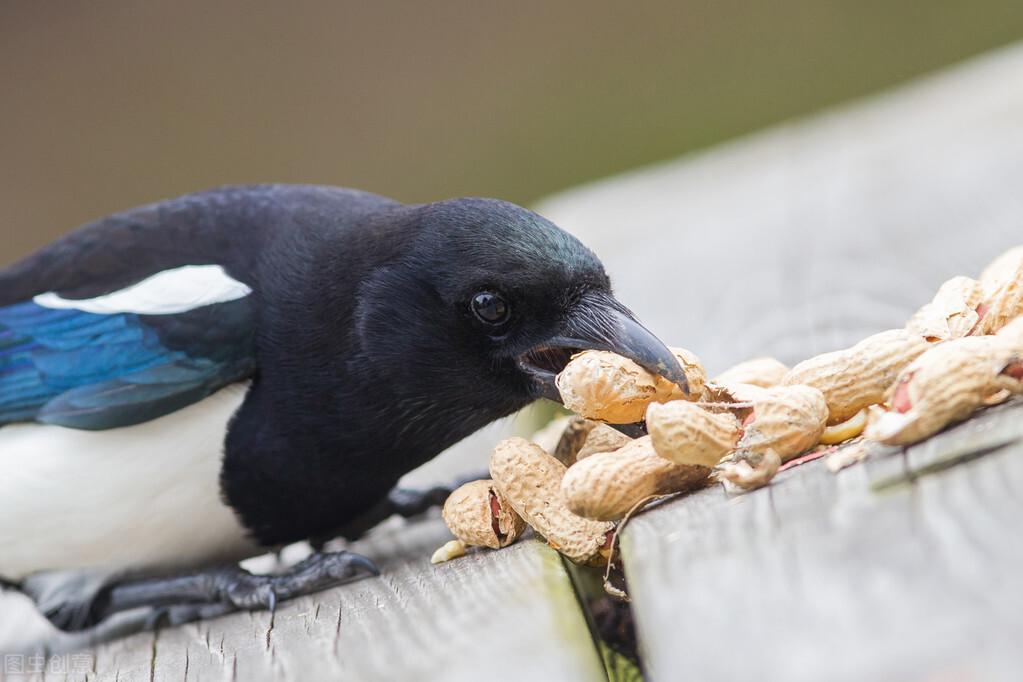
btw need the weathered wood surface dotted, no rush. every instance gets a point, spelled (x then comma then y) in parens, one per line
(801, 240)
(417, 621)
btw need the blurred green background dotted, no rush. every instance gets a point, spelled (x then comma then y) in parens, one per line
(106, 105)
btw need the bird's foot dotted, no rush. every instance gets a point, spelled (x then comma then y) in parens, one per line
(212, 592)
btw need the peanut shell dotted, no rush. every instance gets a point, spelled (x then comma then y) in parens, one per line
(602, 438)
(749, 470)
(1002, 291)
(696, 376)
(607, 387)
(574, 432)
(786, 419)
(530, 480)
(764, 372)
(943, 386)
(478, 514)
(951, 314)
(685, 433)
(859, 376)
(607, 485)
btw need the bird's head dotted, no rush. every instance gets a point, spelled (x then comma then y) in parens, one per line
(489, 301)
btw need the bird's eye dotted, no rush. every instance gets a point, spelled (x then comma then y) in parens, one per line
(490, 308)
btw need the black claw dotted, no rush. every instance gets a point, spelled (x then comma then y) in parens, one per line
(359, 561)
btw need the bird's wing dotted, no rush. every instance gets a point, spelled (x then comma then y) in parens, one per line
(126, 356)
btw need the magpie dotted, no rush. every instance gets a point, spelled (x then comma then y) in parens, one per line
(188, 383)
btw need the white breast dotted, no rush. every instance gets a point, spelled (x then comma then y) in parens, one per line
(139, 496)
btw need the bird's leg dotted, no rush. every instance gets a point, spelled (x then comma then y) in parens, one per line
(222, 589)
(404, 502)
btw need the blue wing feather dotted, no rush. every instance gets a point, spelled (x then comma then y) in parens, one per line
(95, 371)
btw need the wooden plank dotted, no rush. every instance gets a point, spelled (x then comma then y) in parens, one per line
(818, 577)
(417, 621)
(800, 240)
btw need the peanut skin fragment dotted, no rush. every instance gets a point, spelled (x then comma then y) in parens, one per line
(764, 372)
(788, 420)
(946, 385)
(477, 514)
(530, 481)
(685, 433)
(857, 377)
(607, 485)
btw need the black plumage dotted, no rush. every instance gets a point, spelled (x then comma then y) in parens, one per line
(360, 339)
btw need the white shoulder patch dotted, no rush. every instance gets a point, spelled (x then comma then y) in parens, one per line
(165, 293)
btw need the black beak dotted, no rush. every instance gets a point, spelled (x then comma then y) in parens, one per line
(599, 322)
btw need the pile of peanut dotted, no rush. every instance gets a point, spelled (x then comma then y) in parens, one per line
(958, 353)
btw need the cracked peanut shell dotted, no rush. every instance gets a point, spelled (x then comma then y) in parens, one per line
(951, 314)
(1002, 291)
(478, 514)
(946, 385)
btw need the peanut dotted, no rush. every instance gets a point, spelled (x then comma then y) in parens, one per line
(530, 480)
(685, 433)
(478, 514)
(764, 372)
(951, 314)
(609, 388)
(1001, 291)
(947, 384)
(850, 428)
(607, 485)
(448, 551)
(859, 376)
(602, 438)
(786, 419)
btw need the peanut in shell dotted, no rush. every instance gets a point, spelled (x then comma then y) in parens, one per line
(685, 433)
(764, 372)
(786, 419)
(607, 485)
(530, 480)
(857, 377)
(607, 387)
